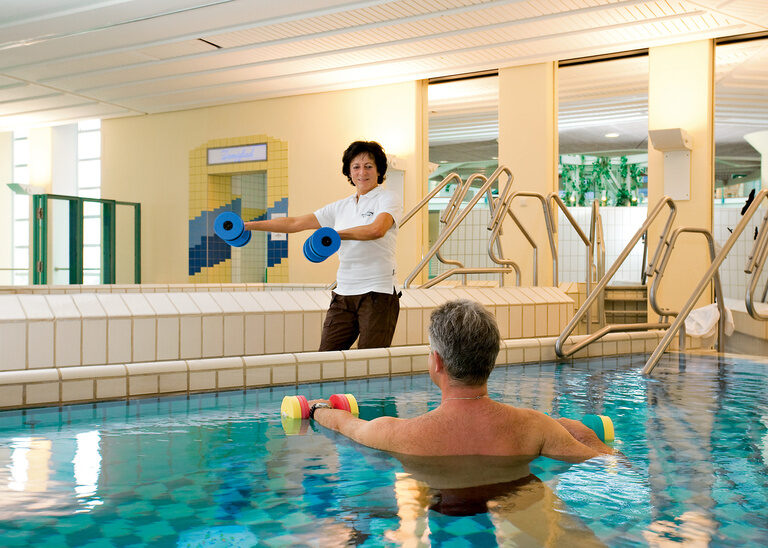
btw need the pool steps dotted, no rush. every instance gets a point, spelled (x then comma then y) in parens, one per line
(139, 341)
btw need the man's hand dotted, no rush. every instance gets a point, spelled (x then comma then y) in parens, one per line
(584, 434)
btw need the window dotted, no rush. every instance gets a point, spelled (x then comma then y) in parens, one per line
(20, 210)
(603, 135)
(463, 139)
(89, 186)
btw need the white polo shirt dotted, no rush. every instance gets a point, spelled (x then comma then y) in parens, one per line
(364, 265)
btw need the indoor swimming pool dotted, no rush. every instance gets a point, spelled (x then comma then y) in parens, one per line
(220, 469)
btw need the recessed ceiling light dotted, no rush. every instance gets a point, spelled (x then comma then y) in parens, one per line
(611, 135)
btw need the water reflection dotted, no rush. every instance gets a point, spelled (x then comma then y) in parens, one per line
(39, 477)
(520, 507)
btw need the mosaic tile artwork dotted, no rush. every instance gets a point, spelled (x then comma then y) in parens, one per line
(255, 190)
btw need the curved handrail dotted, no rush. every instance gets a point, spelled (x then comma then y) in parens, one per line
(556, 201)
(665, 201)
(729, 243)
(432, 193)
(452, 209)
(507, 207)
(654, 289)
(456, 221)
(597, 239)
(755, 266)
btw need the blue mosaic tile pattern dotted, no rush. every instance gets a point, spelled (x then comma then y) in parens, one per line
(277, 250)
(206, 249)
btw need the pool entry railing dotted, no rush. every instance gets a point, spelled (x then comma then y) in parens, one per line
(755, 265)
(594, 243)
(455, 216)
(719, 298)
(665, 202)
(496, 230)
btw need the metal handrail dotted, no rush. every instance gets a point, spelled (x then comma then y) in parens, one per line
(440, 186)
(450, 211)
(665, 201)
(556, 201)
(719, 297)
(597, 239)
(459, 217)
(755, 265)
(705, 280)
(507, 206)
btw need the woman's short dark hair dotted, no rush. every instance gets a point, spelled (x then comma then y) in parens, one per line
(466, 337)
(373, 149)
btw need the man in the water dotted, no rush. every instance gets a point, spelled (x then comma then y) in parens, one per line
(464, 344)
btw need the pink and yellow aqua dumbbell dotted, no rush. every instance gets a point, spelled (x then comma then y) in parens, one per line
(296, 407)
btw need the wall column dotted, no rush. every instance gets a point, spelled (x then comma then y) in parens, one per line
(528, 146)
(680, 95)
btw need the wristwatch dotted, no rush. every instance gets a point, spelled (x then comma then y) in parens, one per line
(318, 405)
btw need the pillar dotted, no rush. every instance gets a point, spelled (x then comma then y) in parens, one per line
(680, 95)
(528, 146)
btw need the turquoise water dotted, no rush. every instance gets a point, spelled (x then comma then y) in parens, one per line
(219, 470)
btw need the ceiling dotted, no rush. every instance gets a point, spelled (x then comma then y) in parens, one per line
(66, 60)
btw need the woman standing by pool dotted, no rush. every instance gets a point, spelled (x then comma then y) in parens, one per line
(365, 301)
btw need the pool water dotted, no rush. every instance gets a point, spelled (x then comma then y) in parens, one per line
(220, 470)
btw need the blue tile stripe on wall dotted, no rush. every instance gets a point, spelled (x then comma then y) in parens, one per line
(277, 250)
(207, 250)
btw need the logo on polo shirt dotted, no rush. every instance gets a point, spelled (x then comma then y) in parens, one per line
(367, 214)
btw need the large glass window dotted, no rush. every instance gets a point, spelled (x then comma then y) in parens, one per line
(20, 210)
(89, 186)
(603, 135)
(463, 139)
(741, 150)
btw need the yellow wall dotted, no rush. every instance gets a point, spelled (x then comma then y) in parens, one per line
(680, 95)
(528, 147)
(146, 159)
(40, 151)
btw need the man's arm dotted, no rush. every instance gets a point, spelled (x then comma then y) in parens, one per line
(372, 231)
(559, 442)
(376, 433)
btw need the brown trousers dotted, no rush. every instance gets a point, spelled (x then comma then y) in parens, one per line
(372, 316)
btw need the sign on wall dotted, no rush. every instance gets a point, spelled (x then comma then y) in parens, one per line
(236, 155)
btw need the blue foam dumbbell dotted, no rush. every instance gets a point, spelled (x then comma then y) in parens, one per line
(323, 243)
(230, 227)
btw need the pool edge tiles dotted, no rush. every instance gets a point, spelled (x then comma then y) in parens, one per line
(47, 387)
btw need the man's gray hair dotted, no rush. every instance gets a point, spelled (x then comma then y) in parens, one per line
(467, 338)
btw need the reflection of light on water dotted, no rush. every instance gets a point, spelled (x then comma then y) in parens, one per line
(87, 463)
(412, 504)
(29, 464)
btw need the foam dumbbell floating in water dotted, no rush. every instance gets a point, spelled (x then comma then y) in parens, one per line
(601, 425)
(297, 407)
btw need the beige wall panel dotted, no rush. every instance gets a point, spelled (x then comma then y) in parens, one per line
(680, 95)
(528, 147)
(146, 159)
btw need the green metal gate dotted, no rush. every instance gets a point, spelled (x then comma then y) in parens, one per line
(41, 207)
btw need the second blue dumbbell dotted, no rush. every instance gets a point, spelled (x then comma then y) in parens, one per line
(230, 227)
(323, 243)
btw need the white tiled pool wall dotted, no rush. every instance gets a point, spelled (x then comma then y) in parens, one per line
(469, 245)
(62, 348)
(621, 223)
